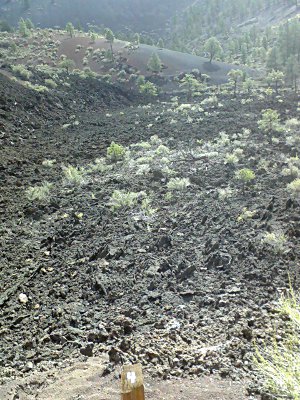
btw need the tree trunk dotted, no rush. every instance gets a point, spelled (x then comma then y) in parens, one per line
(112, 53)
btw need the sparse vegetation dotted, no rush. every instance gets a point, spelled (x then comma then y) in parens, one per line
(116, 152)
(178, 184)
(245, 175)
(21, 71)
(39, 193)
(279, 362)
(294, 189)
(122, 199)
(276, 241)
(73, 175)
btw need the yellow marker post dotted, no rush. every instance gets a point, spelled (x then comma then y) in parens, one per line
(132, 383)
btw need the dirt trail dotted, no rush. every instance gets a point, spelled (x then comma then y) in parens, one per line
(85, 381)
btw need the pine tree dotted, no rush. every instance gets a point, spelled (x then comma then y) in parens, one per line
(160, 43)
(235, 75)
(154, 64)
(137, 39)
(190, 84)
(110, 37)
(70, 29)
(23, 30)
(275, 78)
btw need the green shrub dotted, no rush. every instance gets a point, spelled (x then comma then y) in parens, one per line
(279, 364)
(179, 184)
(294, 188)
(39, 193)
(231, 159)
(48, 163)
(270, 122)
(37, 88)
(50, 83)
(115, 152)
(122, 199)
(21, 71)
(148, 88)
(245, 215)
(74, 175)
(277, 241)
(245, 175)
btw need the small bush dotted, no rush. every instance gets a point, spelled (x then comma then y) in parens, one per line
(277, 241)
(99, 166)
(115, 152)
(179, 184)
(50, 83)
(225, 193)
(245, 175)
(245, 215)
(279, 364)
(294, 188)
(74, 175)
(39, 193)
(37, 88)
(291, 171)
(48, 163)
(122, 199)
(231, 159)
(148, 88)
(21, 71)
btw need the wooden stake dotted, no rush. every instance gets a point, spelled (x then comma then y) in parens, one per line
(132, 383)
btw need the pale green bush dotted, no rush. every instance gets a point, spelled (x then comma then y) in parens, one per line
(21, 71)
(39, 193)
(279, 363)
(123, 199)
(178, 184)
(74, 175)
(276, 241)
(116, 152)
(294, 188)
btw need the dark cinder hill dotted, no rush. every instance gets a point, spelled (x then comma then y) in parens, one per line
(138, 15)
